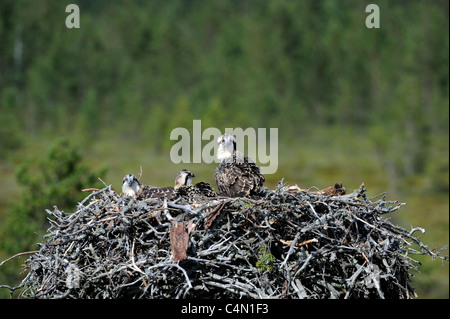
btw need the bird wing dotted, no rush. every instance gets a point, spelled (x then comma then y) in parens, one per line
(239, 178)
(205, 189)
(225, 177)
(196, 194)
(159, 192)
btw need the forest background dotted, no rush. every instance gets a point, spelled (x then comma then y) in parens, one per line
(351, 104)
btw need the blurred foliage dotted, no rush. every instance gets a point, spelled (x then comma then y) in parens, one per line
(289, 64)
(294, 64)
(55, 179)
(135, 70)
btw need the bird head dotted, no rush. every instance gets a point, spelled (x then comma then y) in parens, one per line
(183, 178)
(130, 185)
(227, 146)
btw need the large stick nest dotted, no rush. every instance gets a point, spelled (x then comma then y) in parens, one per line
(290, 244)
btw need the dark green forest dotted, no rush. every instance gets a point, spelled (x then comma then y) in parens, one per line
(351, 104)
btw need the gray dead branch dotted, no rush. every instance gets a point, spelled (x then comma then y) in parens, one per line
(289, 244)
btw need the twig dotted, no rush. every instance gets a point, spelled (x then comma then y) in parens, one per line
(94, 194)
(140, 174)
(166, 211)
(19, 254)
(90, 189)
(291, 249)
(132, 259)
(102, 181)
(314, 240)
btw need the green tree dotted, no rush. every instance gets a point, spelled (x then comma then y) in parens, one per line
(10, 136)
(88, 117)
(54, 180)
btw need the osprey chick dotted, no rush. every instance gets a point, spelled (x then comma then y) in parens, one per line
(194, 193)
(131, 186)
(182, 179)
(237, 175)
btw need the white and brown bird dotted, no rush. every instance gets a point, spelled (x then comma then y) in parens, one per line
(198, 192)
(237, 175)
(183, 179)
(132, 187)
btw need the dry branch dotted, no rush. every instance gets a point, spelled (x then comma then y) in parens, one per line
(291, 244)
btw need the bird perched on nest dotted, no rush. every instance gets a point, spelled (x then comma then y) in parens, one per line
(182, 186)
(237, 175)
(164, 192)
(197, 192)
(131, 186)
